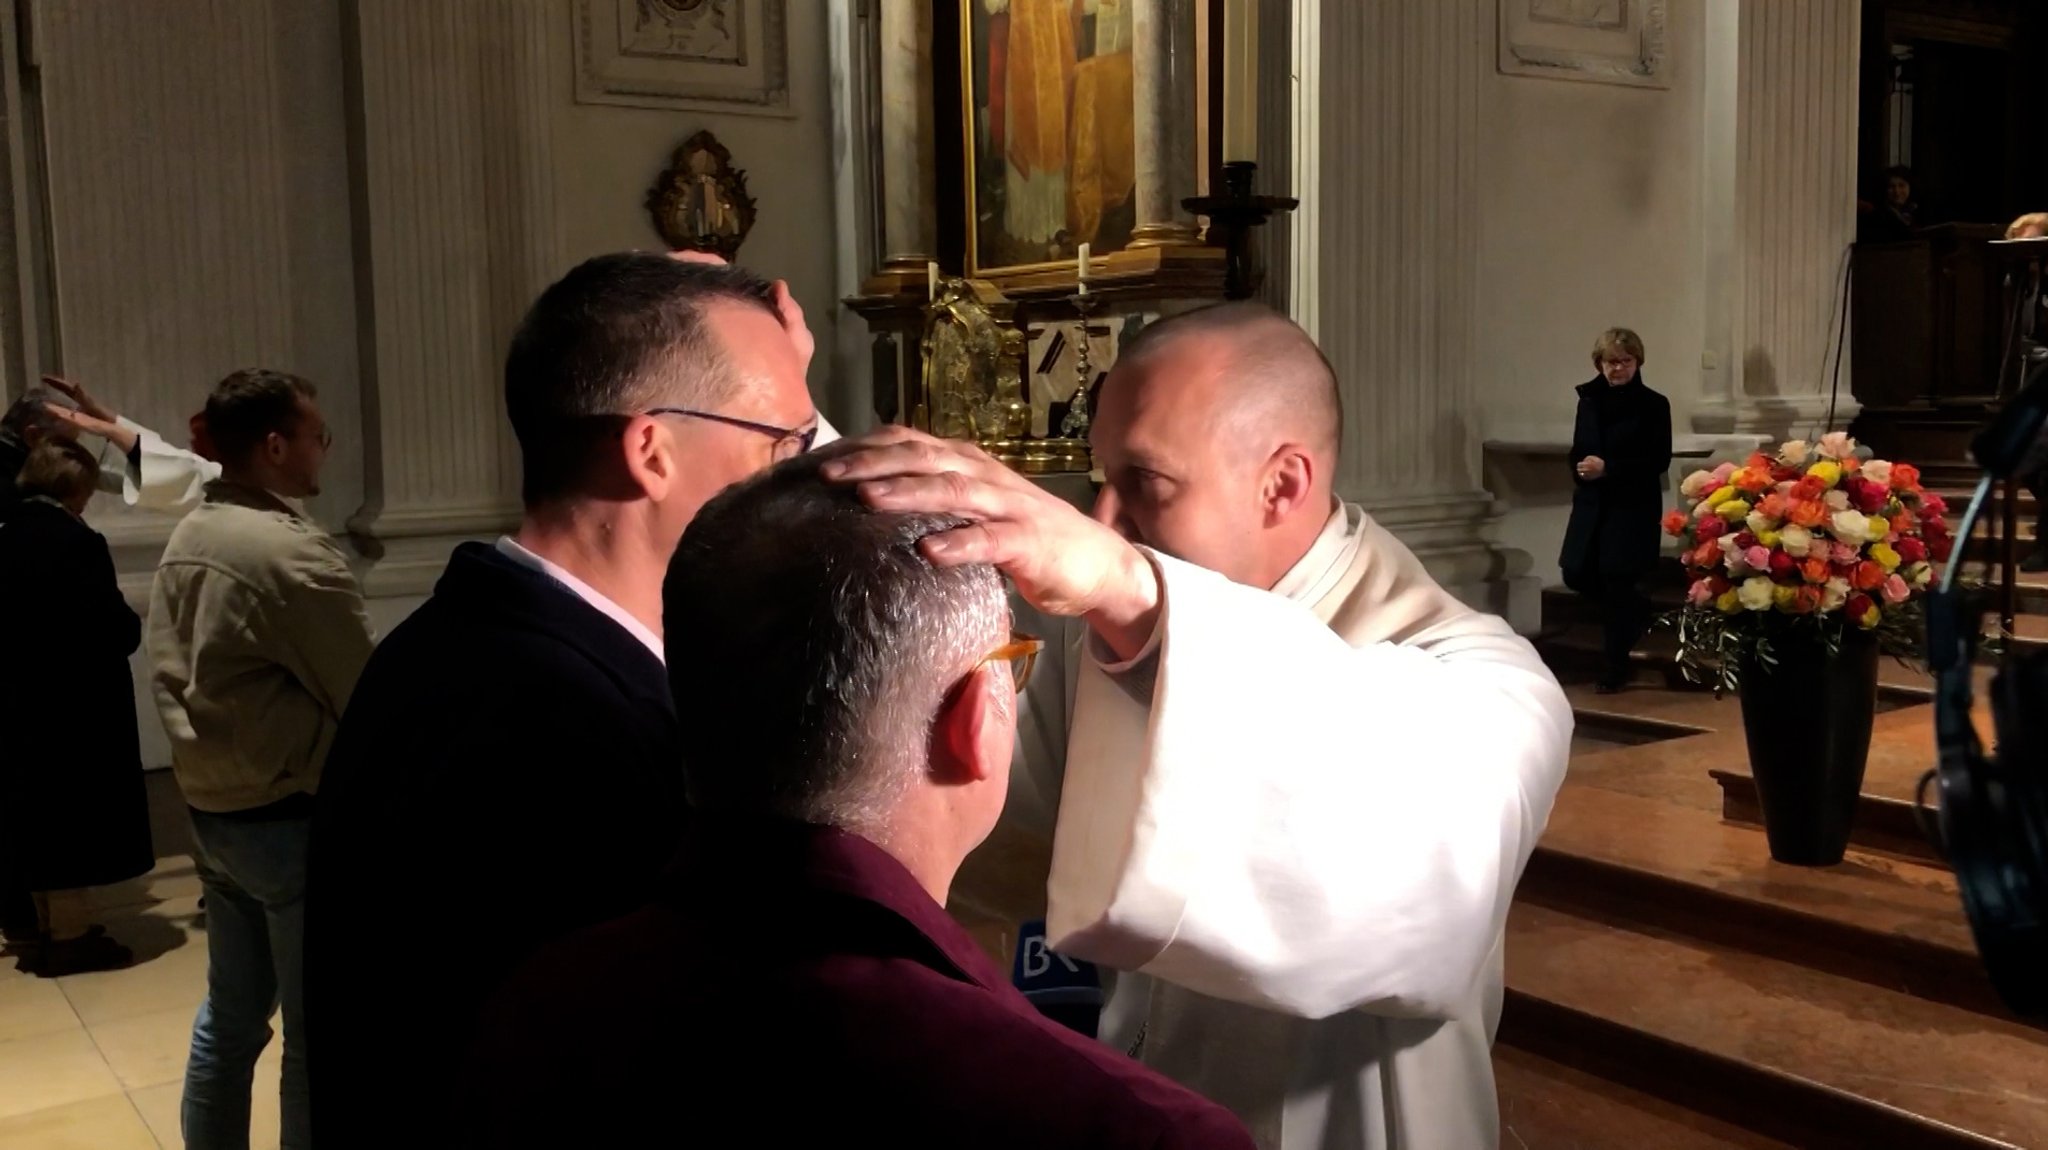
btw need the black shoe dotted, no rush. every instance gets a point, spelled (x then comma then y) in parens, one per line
(92, 951)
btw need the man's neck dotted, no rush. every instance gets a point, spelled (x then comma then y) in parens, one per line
(589, 545)
(1301, 537)
(931, 865)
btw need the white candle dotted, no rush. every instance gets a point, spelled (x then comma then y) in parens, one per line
(931, 282)
(1240, 80)
(1081, 272)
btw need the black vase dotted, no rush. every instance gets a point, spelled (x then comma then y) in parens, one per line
(1807, 722)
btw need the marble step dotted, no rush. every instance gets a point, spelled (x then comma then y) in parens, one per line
(1549, 1105)
(1882, 824)
(1644, 860)
(1808, 1057)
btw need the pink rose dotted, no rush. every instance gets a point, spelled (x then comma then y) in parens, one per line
(1846, 553)
(1896, 590)
(1701, 594)
(1758, 557)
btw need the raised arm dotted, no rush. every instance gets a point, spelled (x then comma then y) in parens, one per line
(1291, 822)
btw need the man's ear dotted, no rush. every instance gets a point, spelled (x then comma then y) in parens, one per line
(1290, 481)
(648, 453)
(963, 726)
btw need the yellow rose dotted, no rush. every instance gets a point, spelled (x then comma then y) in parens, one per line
(1782, 597)
(1734, 511)
(1768, 538)
(1730, 602)
(1870, 618)
(1722, 496)
(1828, 473)
(1885, 557)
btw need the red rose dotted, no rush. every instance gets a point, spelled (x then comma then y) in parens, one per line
(1719, 585)
(1941, 548)
(1868, 497)
(1911, 550)
(1745, 541)
(1710, 529)
(1859, 606)
(1783, 566)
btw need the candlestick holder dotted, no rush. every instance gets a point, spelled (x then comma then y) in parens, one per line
(1232, 216)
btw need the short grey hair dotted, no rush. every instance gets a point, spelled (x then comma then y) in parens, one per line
(811, 645)
(30, 415)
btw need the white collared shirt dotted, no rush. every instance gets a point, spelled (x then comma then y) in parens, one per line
(510, 548)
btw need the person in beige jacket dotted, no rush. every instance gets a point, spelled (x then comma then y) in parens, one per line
(256, 637)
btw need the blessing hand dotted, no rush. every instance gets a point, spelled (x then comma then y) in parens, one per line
(85, 400)
(1061, 561)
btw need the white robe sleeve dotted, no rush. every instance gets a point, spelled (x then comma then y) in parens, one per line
(1285, 820)
(159, 477)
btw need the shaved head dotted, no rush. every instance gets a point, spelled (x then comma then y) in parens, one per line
(1276, 382)
(1217, 433)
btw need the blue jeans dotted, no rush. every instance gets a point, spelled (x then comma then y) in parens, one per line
(254, 874)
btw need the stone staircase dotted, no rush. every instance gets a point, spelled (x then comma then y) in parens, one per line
(1669, 985)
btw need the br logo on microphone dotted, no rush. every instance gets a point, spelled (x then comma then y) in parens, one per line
(1063, 989)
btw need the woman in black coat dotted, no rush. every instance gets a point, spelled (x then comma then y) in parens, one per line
(1621, 450)
(73, 809)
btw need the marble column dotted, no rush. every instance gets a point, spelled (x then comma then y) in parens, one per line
(909, 198)
(458, 233)
(1163, 82)
(1393, 274)
(1781, 95)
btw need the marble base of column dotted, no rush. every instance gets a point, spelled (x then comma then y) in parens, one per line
(1453, 535)
(1162, 235)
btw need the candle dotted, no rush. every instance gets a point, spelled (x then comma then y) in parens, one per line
(931, 282)
(1081, 272)
(1240, 80)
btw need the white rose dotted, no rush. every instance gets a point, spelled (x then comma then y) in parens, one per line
(1796, 540)
(1697, 484)
(1850, 526)
(1756, 594)
(1878, 471)
(1837, 500)
(1920, 574)
(1834, 593)
(1758, 522)
(1793, 452)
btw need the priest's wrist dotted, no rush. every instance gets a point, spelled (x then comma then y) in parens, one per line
(1128, 614)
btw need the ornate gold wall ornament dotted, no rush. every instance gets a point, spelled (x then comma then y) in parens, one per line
(700, 203)
(972, 383)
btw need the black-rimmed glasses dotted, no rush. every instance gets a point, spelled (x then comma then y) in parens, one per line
(790, 442)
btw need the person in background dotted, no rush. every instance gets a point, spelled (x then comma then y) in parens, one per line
(73, 810)
(256, 637)
(848, 712)
(1897, 217)
(136, 464)
(511, 761)
(1621, 450)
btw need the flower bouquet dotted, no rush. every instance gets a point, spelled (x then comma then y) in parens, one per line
(1810, 543)
(1804, 568)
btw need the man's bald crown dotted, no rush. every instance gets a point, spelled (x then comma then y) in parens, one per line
(1277, 381)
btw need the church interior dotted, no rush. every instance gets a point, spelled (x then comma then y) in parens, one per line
(1453, 198)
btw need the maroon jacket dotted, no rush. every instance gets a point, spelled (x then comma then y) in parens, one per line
(795, 986)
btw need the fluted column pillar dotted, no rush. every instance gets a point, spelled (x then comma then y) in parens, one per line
(909, 216)
(458, 227)
(1781, 169)
(1393, 280)
(1163, 83)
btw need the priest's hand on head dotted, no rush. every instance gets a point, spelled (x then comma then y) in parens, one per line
(1060, 560)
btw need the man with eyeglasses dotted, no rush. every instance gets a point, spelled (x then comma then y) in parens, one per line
(849, 709)
(510, 768)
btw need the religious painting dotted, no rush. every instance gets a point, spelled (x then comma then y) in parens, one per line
(711, 55)
(1605, 41)
(1050, 145)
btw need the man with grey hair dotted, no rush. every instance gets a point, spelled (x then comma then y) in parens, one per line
(1295, 780)
(137, 464)
(850, 712)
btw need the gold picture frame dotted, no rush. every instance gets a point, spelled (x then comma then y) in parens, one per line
(1024, 219)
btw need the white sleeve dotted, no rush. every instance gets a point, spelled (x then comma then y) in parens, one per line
(1291, 822)
(159, 476)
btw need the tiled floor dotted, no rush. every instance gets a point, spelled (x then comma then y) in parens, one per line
(97, 1061)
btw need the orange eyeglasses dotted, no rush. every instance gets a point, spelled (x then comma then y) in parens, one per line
(1020, 653)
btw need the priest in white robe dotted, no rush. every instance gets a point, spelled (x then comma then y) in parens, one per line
(1299, 779)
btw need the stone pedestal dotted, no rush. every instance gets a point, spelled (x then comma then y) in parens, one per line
(1781, 109)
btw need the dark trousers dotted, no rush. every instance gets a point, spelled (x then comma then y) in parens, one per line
(1624, 617)
(17, 910)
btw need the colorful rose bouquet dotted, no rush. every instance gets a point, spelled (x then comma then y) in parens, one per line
(1810, 541)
